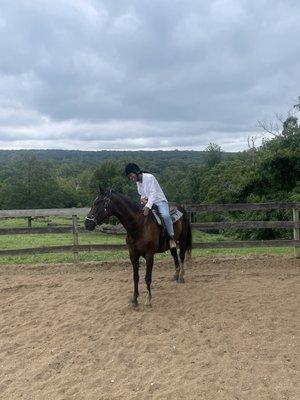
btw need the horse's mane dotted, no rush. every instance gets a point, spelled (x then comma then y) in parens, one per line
(132, 204)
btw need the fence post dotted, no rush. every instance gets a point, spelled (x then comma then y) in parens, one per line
(296, 233)
(75, 235)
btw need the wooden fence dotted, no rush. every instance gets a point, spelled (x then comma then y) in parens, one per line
(74, 213)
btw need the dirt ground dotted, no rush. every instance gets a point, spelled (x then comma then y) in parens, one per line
(230, 332)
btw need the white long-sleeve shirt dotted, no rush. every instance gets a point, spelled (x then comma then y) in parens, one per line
(149, 187)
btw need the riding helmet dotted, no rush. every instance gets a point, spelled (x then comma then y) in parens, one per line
(131, 167)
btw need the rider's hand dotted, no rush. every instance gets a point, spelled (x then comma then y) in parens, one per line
(144, 200)
(146, 211)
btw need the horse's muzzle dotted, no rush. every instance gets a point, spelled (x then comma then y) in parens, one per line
(89, 224)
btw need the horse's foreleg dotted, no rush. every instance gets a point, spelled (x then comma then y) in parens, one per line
(176, 262)
(148, 277)
(136, 265)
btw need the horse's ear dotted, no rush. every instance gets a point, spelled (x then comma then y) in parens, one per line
(106, 192)
(101, 190)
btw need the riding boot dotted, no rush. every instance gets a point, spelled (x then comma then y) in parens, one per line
(172, 242)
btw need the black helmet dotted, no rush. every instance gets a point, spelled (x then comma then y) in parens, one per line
(132, 168)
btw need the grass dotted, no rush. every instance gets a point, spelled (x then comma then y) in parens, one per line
(37, 222)
(103, 256)
(61, 239)
(39, 240)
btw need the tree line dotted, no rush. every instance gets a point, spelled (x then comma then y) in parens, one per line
(56, 178)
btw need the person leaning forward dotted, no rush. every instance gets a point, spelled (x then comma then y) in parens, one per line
(151, 193)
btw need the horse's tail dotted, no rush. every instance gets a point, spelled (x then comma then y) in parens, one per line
(189, 243)
(187, 232)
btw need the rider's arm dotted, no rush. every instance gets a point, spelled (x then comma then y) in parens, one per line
(141, 193)
(151, 191)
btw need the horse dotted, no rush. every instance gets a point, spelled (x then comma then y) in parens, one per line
(145, 236)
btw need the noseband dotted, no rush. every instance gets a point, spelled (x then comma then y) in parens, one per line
(91, 219)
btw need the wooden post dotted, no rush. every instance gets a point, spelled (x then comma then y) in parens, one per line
(296, 233)
(29, 222)
(192, 217)
(75, 235)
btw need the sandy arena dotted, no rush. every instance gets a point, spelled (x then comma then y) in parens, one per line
(228, 333)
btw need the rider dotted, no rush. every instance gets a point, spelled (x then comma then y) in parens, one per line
(151, 193)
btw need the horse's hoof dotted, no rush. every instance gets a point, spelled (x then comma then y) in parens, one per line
(181, 279)
(134, 303)
(175, 278)
(148, 301)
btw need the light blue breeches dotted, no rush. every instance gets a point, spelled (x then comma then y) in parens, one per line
(164, 212)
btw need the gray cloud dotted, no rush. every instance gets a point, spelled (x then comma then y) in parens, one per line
(137, 74)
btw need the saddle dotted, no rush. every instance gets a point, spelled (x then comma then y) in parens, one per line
(175, 215)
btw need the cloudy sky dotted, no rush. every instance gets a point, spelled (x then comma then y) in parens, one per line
(145, 74)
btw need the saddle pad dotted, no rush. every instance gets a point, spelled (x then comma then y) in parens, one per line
(174, 213)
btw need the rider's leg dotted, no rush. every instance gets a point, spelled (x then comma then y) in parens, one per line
(164, 212)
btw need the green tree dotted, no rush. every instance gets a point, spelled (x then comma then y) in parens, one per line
(31, 184)
(212, 155)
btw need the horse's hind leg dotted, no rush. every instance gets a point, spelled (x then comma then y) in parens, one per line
(136, 265)
(182, 258)
(176, 262)
(148, 277)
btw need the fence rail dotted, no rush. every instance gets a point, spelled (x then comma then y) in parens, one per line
(191, 208)
(242, 207)
(44, 212)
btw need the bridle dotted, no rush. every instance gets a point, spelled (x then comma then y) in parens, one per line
(107, 201)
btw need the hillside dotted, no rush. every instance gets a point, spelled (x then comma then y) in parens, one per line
(92, 157)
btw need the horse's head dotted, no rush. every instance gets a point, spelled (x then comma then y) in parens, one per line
(101, 209)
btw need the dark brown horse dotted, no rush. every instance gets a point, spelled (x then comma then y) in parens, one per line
(145, 236)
